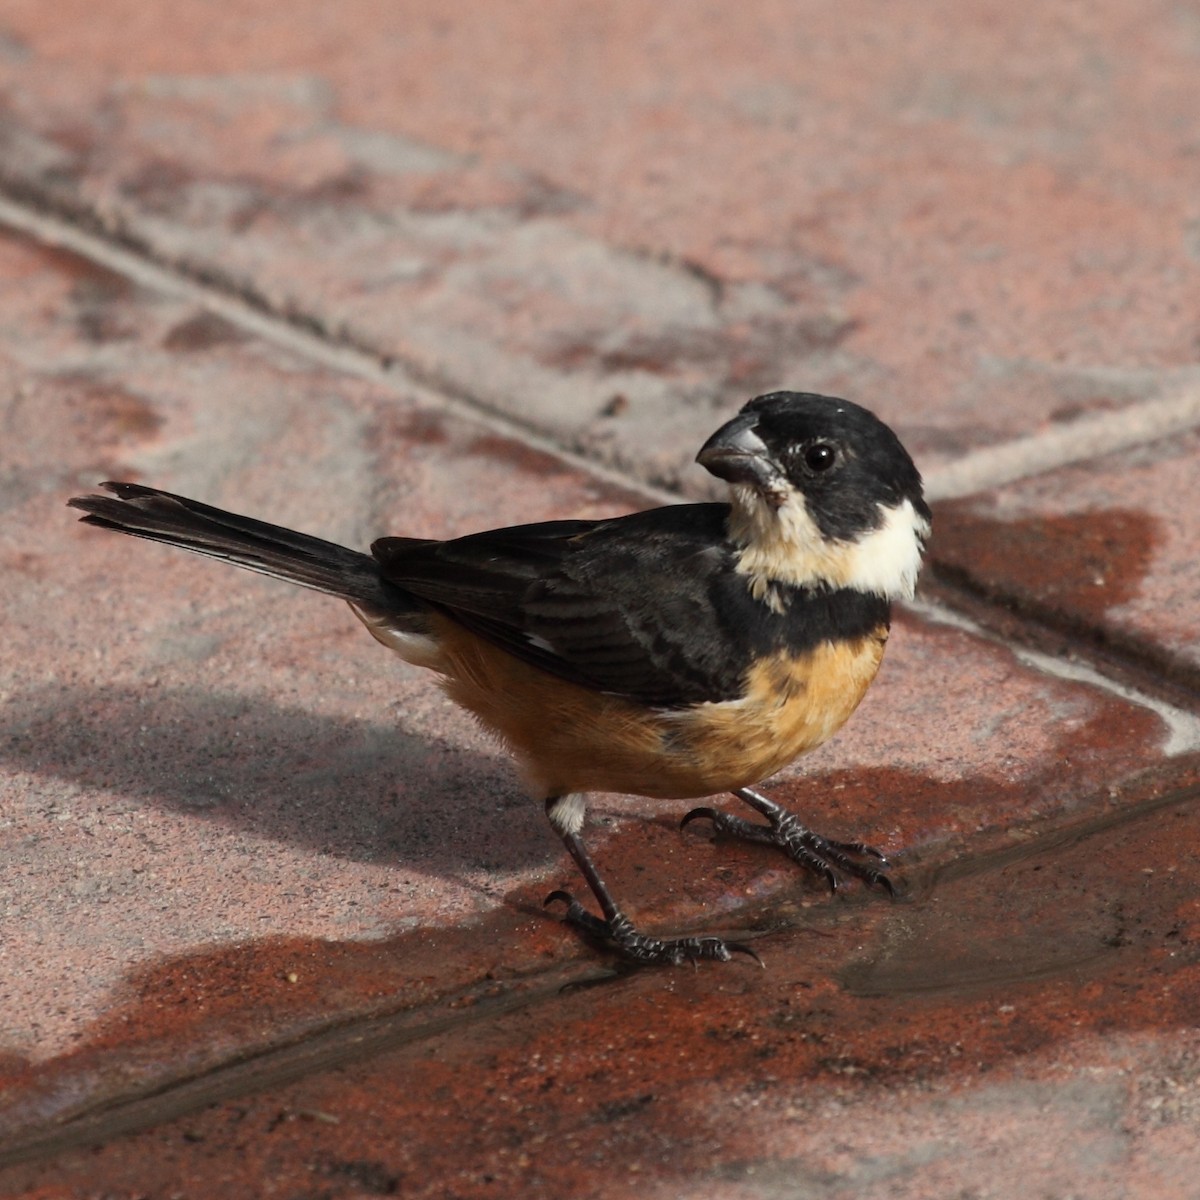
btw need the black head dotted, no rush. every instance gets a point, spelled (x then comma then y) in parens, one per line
(848, 466)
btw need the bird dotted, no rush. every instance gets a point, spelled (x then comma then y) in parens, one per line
(674, 653)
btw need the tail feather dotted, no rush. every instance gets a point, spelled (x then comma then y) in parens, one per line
(268, 549)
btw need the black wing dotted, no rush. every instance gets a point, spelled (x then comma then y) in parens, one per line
(638, 605)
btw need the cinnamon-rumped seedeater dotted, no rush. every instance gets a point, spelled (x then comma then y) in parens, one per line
(677, 652)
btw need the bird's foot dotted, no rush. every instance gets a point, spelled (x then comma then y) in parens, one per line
(641, 948)
(823, 856)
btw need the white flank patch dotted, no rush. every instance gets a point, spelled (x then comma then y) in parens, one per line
(415, 648)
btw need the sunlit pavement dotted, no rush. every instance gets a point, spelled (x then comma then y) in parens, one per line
(272, 907)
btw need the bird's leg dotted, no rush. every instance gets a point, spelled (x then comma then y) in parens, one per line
(812, 851)
(566, 815)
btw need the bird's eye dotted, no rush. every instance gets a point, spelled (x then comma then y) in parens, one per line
(820, 456)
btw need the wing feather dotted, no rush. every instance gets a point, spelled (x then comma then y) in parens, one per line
(624, 606)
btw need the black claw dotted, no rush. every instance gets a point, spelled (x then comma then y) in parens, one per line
(586, 922)
(877, 879)
(641, 948)
(738, 948)
(830, 860)
(861, 849)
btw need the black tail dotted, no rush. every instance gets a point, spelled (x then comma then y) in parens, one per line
(269, 549)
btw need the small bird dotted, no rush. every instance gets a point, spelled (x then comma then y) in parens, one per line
(678, 652)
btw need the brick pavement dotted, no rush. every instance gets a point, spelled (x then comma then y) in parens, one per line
(426, 270)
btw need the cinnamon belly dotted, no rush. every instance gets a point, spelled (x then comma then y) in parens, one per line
(569, 738)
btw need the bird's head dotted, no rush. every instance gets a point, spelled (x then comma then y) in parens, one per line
(823, 495)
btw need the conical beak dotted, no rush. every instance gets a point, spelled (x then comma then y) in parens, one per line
(737, 454)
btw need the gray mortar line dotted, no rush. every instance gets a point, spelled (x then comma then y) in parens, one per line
(1183, 727)
(1072, 442)
(309, 343)
(1058, 446)
(309, 1053)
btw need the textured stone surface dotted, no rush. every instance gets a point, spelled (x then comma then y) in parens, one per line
(231, 820)
(615, 222)
(1109, 550)
(272, 909)
(154, 701)
(1031, 1017)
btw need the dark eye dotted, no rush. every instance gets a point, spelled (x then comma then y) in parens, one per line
(820, 456)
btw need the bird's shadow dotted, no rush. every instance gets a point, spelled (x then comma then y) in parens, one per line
(364, 790)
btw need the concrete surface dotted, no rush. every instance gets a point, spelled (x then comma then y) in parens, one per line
(271, 907)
